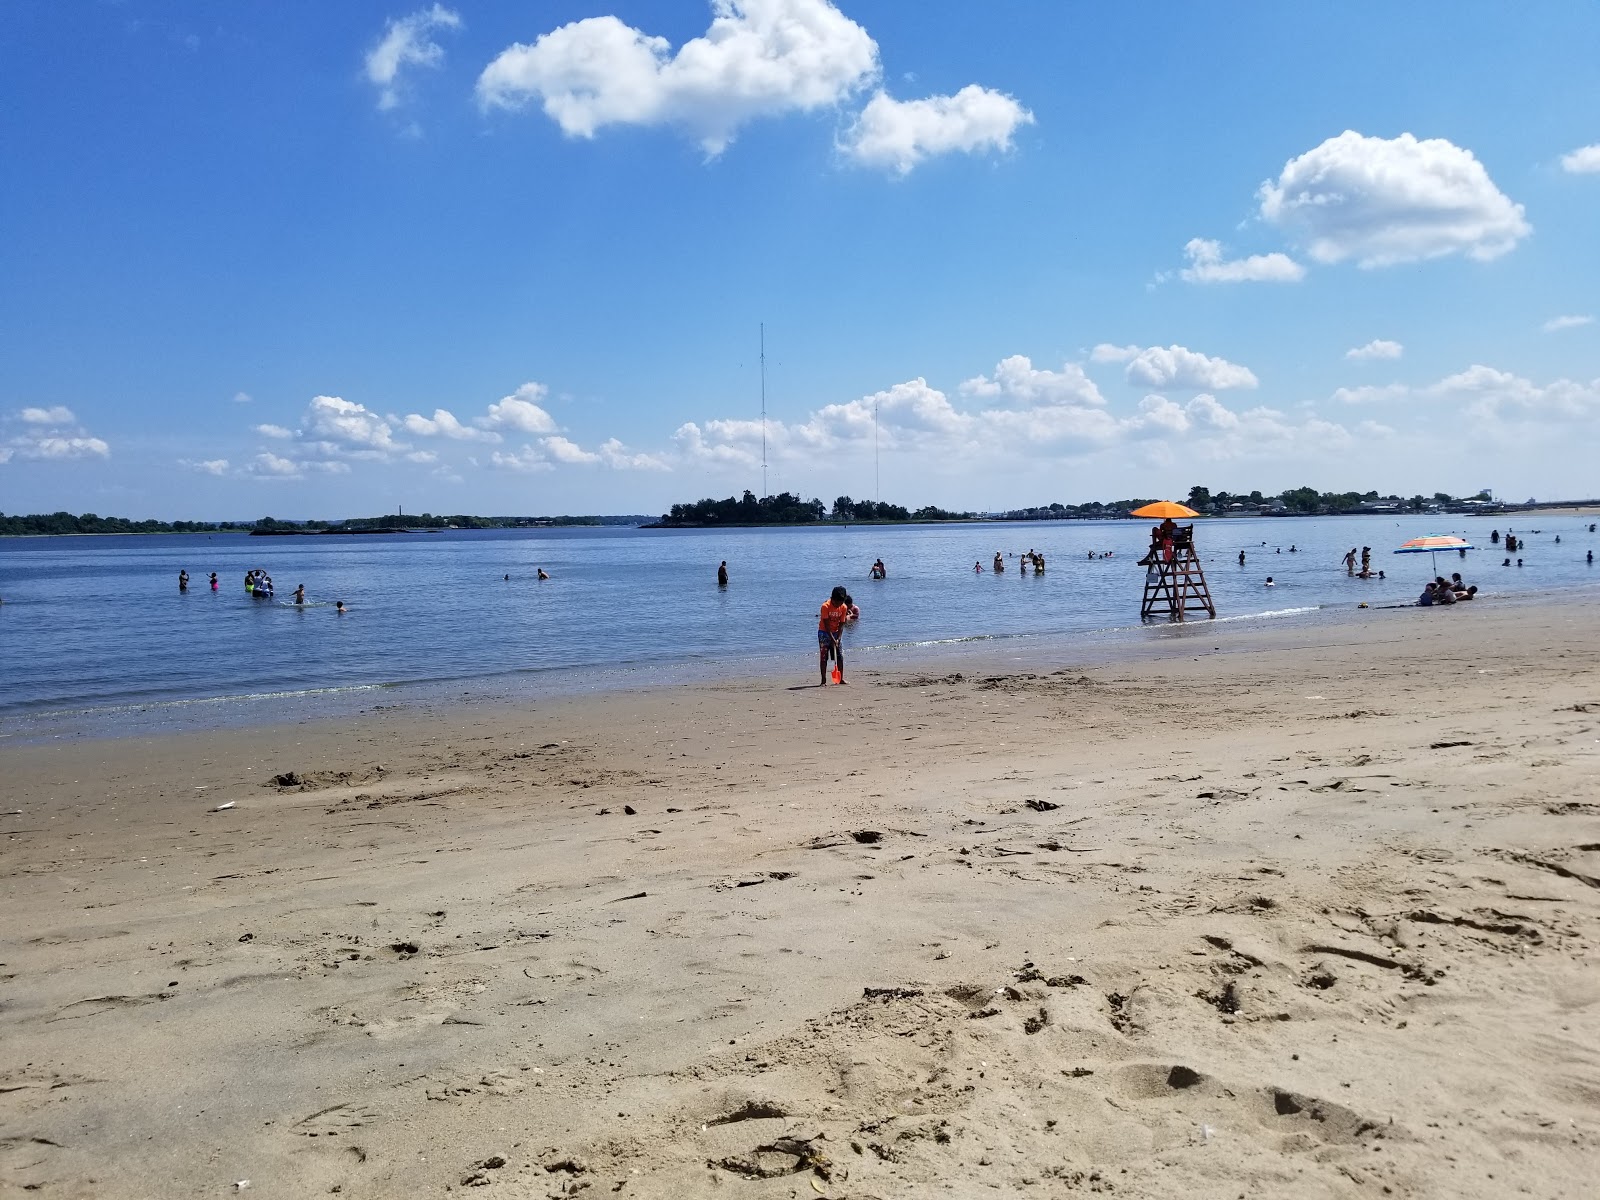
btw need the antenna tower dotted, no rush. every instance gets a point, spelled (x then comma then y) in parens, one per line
(764, 409)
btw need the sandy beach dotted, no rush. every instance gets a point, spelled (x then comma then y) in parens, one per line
(1295, 911)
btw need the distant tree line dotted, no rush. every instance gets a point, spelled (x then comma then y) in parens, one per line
(1309, 500)
(36, 524)
(1301, 501)
(788, 509)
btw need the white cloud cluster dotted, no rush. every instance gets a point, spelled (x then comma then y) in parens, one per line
(1382, 201)
(759, 58)
(1585, 160)
(407, 42)
(207, 466)
(1486, 397)
(899, 134)
(1018, 378)
(547, 452)
(1573, 321)
(443, 423)
(51, 434)
(1378, 348)
(1176, 367)
(1207, 265)
(1025, 411)
(521, 411)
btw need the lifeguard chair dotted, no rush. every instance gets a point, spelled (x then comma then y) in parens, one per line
(1174, 582)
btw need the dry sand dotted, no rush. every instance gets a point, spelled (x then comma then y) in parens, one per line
(1312, 914)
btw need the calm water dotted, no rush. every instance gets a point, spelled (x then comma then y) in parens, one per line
(97, 623)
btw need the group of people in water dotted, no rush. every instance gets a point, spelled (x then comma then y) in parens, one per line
(1029, 558)
(258, 586)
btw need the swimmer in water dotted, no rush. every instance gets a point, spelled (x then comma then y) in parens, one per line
(183, 581)
(977, 568)
(1269, 582)
(542, 575)
(300, 594)
(722, 574)
(213, 581)
(339, 607)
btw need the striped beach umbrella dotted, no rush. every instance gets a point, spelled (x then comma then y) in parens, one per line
(1433, 543)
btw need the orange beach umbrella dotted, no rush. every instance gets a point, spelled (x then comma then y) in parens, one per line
(1165, 508)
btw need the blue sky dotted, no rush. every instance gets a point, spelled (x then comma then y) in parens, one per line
(316, 259)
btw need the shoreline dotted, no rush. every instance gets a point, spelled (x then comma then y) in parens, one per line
(1131, 641)
(1200, 921)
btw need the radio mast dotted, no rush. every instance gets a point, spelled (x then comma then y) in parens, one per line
(763, 409)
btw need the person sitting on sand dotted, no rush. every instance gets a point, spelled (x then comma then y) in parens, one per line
(834, 613)
(1426, 599)
(542, 575)
(1469, 594)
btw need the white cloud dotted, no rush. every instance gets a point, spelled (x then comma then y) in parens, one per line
(57, 446)
(1206, 265)
(528, 459)
(1487, 398)
(1105, 352)
(345, 427)
(209, 466)
(274, 431)
(1371, 395)
(899, 134)
(1377, 348)
(241, 397)
(759, 58)
(407, 42)
(619, 457)
(564, 451)
(1556, 324)
(59, 415)
(1169, 367)
(52, 434)
(267, 463)
(444, 424)
(521, 411)
(1583, 161)
(1491, 396)
(1382, 201)
(1017, 378)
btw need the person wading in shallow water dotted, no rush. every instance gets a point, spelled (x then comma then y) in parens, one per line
(722, 574)
(830, 633)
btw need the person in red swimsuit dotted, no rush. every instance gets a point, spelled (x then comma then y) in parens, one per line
(830, 632)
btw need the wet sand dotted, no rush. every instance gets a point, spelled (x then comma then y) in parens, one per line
(1301, 911)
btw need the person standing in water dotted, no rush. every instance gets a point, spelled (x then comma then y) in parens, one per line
(213, 581)
(542, 575)
(300, 594)
(834, 613)
(722, 574)
(183, 581)
(1241, 558)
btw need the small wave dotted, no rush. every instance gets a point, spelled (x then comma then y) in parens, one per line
(194, 701)
(1273, 612)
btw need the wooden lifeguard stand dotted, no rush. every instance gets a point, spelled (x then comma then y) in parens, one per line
(1175, 584)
